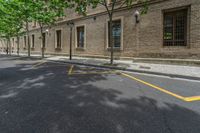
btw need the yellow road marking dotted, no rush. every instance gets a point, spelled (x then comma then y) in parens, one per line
(187, 99)
(191, 99)
(70, 69)
(70, 72)
(85, 73)
(85, 68)
(153, 86)
(51, 65)
(58, 62)
(38, 64)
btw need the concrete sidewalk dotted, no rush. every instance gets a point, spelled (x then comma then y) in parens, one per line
(176, 71)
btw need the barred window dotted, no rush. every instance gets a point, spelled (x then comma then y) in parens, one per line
(175, 28)
(116, 33)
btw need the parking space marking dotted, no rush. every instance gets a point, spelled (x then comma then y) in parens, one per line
(186, 99)
(88, 73)
(72, 72)
(56, 62)
(70, 69)
(85, 68)
(191, 99)
(38, 64)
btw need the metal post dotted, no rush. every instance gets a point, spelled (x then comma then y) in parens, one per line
(70, 49)
(70, 24)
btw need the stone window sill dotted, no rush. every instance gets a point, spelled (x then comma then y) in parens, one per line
(80, 48)
(115, 49)
(58, 49)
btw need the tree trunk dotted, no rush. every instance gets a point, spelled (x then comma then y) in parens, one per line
(10, 47)
(18, 45)
(111, 40)
(41, 29)
(7, 47)
(29, 47)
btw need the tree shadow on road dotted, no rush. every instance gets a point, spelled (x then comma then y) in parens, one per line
(16, 57)
(49, 101)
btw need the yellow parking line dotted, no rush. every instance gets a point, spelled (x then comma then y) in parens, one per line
(85, 68)
(153, 86)
(38, 64)
(71, 72)
(70, 69)
(88, 73)
(187, 99)
(56, 65)
(191, 99)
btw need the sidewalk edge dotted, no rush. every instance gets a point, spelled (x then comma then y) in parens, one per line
(120, 68)
(131, 70)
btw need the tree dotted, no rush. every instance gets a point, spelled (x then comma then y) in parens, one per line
(46, 14)
(10, 22)
(18, 14)
(25, 9)
(81, 7)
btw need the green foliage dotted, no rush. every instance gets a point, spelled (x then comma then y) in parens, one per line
(46, 13)
(10, 20)
(145, 7)
(82, 5)
(14, 14)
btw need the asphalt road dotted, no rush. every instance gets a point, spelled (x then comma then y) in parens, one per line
(49, 97)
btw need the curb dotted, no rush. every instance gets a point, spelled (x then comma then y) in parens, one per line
(132, 70)
(168, 61)
(118, 68)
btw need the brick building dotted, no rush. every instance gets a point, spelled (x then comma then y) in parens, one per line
(170, 29)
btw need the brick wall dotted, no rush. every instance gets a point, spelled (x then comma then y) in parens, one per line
(144, 39)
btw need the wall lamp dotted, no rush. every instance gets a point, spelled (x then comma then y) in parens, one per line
(137, 15)
(70, 23)
(47, 31)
